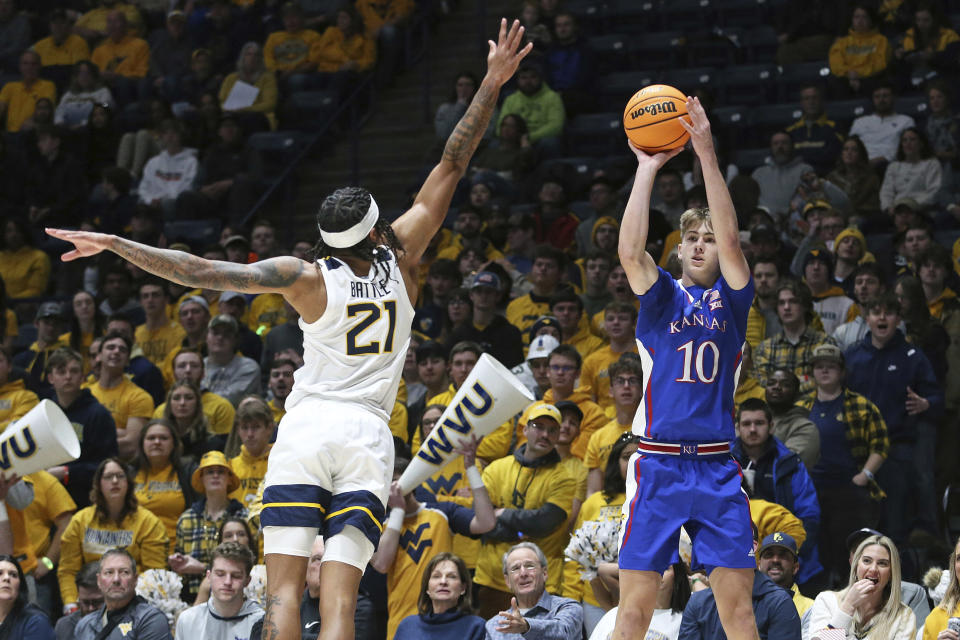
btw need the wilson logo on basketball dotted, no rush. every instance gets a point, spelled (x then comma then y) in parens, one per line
(654, 109)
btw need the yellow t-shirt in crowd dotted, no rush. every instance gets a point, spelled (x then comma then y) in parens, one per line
(446, 485)
(15, 401)
(597, 507)
(424, 534)
(71, 51)
(129, 58)
(578, 472)
(595, 373)
(50, 501)
(277, 410)
(522, 312)
(514, 486)
(126, 400)
(21, 102)
(217, 409)
(87, 538)
(266, 311)
(251, 471)
(160, 492)
(157, 343)
(285, 51)
(96, 19)
(598, 449)
(584, 341)
(13, 327)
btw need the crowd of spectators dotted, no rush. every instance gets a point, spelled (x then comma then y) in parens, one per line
(847, 400)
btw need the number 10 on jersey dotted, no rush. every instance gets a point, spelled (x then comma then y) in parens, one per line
(693, 361)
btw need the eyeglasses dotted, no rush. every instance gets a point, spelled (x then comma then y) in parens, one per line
(542, 428)
(632, 381)
(524, 566)
(114, 477)
(562, 368)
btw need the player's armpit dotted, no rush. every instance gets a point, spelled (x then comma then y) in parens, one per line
(642, 273)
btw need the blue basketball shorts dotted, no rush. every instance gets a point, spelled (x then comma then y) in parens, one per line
(703, 495)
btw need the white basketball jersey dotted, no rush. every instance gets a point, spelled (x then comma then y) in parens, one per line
(354, 353)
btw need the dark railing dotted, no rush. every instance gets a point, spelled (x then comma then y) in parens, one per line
(417, 46)
(353, 112)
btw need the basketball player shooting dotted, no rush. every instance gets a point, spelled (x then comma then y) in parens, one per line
(690, 333)
(330, 469)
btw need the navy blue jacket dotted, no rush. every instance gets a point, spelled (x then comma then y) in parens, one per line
(883, 375)
(449, 625)
(147, 376)
(98, 441)
(773, 608)
(792, 489)
(31, 624)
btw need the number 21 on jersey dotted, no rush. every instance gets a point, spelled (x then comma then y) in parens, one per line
(371, 313)
(698, 365)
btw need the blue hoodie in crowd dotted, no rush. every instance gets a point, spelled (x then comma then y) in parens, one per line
(773, 608)
(883, 375)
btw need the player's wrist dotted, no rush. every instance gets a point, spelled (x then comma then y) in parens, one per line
(395, 519)
(474, 478)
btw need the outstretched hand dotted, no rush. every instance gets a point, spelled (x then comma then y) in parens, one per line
(86, 243)
(698, 126)
(504, 58)
(512, 621)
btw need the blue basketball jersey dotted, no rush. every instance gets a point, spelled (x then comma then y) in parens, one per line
(690, 340)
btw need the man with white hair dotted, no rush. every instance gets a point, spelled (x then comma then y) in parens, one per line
(533, 613)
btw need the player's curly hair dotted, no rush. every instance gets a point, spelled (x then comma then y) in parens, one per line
(341, 210)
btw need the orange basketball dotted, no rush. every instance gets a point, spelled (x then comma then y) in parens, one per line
(651, 118)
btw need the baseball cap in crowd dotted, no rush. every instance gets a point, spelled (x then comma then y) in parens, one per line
(828, 353)
(779, 539)
(430, 349)
(225, 321)
(858, 536)
(227, 296)
(486, 279)
(176, 14)
(541, 346)
(909, 203)
(236, 239)
(815, 204)
(544, 410)
(214, 459)
(200, 300)
(49, 310)
(818, 254)
(544, 321)
(567, 405)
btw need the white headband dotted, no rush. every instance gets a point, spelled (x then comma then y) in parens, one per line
(356, 233)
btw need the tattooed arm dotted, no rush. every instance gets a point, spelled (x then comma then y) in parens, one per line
(276, 275)
(416, 227)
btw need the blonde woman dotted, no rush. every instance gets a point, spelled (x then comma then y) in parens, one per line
(870, 608)
(935, 628)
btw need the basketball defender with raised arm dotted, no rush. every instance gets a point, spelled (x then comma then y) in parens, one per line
(331, 466)
(690, 333)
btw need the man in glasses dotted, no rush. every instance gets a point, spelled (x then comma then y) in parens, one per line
(532, 495)
(533, 610)
(89, 599)
(564, 365)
